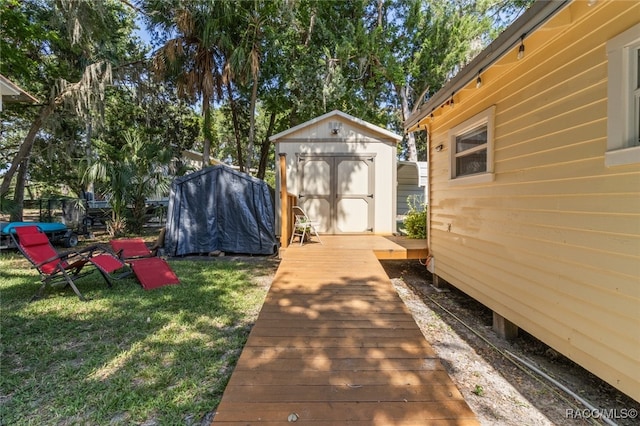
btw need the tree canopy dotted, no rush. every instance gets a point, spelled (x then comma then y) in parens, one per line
(220, 77)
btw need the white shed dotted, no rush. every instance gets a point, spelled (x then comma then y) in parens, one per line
(343, 172)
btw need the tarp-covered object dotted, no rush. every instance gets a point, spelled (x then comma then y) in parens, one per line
(218, 208)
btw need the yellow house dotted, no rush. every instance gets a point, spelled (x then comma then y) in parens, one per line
(534, 177)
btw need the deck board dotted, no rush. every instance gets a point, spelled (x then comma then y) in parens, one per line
(335, 344)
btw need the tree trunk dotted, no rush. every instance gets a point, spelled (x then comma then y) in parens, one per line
(206, 132)
(403, 91)
(252, 122)
(312, 23)
(236, 127)
(21, 179)
(26, 146)
(264, 148)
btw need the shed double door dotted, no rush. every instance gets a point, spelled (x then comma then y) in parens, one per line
(337, 191)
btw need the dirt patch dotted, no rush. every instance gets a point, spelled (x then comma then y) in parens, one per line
(489, 371)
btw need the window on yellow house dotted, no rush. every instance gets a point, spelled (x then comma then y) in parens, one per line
(471, 148)
(471, 152)
(623, 107)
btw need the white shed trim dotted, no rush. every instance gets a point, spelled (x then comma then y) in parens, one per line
(343, 115)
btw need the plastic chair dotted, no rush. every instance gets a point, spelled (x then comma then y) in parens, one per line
(303, 226)
(65, 268)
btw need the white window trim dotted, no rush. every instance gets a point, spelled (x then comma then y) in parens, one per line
(486, 117)
(620, 107)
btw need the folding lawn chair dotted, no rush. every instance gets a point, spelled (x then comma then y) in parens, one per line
(303, 226)
(57, 268)
(152, 272)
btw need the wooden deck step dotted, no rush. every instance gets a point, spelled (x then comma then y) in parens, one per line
(334, 344)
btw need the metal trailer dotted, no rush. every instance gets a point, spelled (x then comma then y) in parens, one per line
(58, 233)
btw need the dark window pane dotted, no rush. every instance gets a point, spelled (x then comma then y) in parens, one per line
(472, 163)
(638, 69)
(471, 139)
(636, 94)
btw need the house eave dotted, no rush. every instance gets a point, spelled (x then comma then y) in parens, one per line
(539, 13)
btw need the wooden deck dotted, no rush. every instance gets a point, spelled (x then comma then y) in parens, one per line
(334, 344)
(384, 247)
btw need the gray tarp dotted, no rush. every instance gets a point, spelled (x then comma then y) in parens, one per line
(218, 208)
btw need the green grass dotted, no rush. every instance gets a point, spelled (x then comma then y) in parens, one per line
(127, 356)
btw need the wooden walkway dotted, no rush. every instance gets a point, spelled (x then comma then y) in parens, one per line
(333, 345)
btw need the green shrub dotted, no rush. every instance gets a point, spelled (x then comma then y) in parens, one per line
(415, 222)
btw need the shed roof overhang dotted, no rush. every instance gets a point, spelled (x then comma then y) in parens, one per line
(335, 113)
(539, 13)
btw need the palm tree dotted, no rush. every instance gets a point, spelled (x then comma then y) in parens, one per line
(193, 57)
(134, 173)
(243, 63)
(218, 48)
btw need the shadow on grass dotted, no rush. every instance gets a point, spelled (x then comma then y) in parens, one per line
(128, 355)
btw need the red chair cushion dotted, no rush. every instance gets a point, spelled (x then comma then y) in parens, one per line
(131, 247)
(154, 272)
(107, 262)
(36, 246)
(31, 240)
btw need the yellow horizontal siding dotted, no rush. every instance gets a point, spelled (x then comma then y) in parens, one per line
(523, 256)
(554, 325)
(600, 224)
(556, 118)
(553, 242)
(614, 361)
(603, 203)
(546, 101)
(614, 248)
(618, 183)
(583, 165)
(571, 77)
(560, 244)
(537, 285)
(567, 129)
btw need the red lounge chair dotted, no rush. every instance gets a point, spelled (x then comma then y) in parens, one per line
(56, 268)
(152, 272)
(130, 248)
